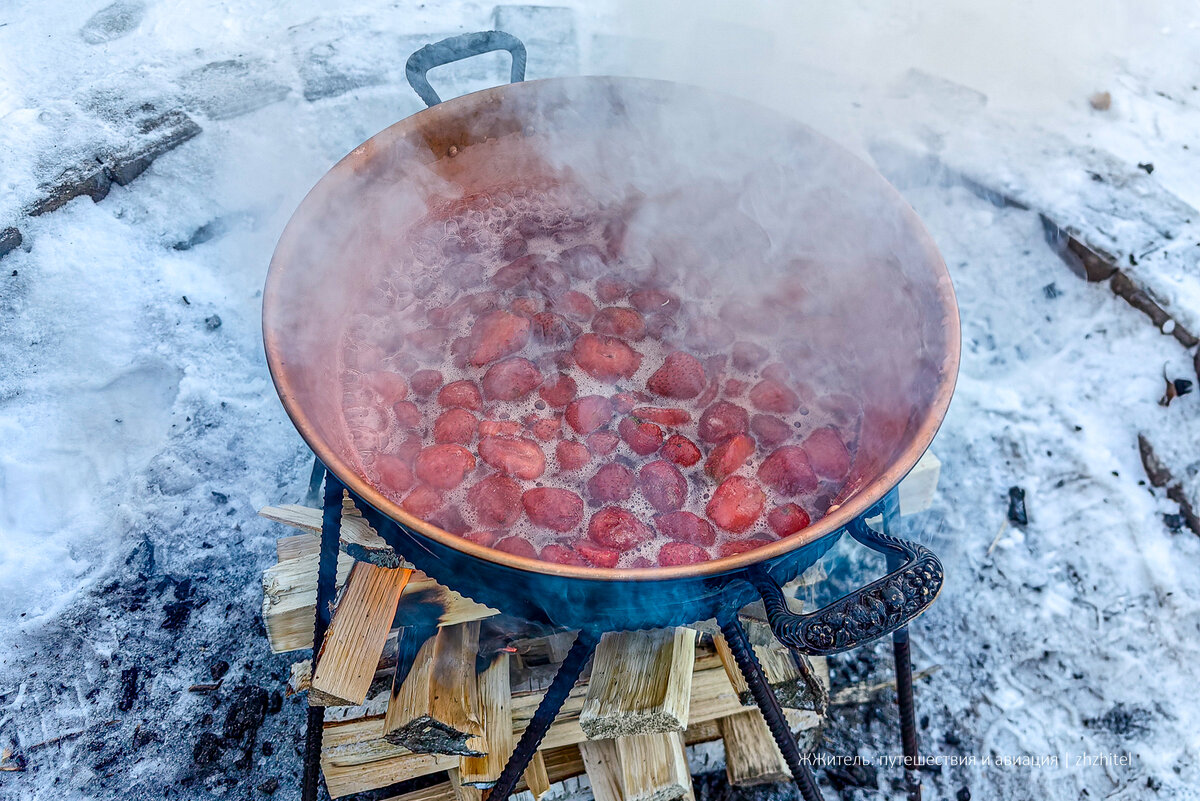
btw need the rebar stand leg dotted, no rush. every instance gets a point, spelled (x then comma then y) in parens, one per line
(331, 530)
(902, 658)
(539, 724)
(768, 704)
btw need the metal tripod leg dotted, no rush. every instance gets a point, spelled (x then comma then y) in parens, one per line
(903, 665)
(768, 704)
(331, 530)
(539, 724)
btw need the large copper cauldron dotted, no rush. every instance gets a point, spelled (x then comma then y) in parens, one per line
(351, 224)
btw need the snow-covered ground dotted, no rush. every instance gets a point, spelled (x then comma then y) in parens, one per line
(139, 431)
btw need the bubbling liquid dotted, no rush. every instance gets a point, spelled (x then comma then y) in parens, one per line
(589, 257)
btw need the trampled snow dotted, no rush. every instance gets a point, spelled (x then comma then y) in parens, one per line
(140, 432)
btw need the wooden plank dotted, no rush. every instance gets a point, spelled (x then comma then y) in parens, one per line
(537, 778)
(654, 767)
(603, 766)
(641, 683)
(354, 641)
(435, 708)
(751, 755)
(495, 709)
(290, 597)
(462, 792)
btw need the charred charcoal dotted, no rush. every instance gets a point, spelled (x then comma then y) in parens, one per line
(1122, 721)
(269, 786)
(207, 749)
(1017, 514)
(218, 669)
(129, 688)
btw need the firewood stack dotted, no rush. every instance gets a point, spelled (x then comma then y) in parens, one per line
(418, 680)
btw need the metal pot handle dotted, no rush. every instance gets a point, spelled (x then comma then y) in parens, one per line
(881, 607)
(456, 48)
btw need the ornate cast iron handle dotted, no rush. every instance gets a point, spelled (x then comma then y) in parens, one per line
(877, 609)
(456, 48)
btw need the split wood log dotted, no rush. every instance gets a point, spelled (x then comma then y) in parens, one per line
(354, 641)
(356, 757)
(654, 767)
(435, 708)
(561, 764)
(495, 709)
(462, 792)
(603, 767)
(641, 683)
(751, 755)
(795, 689)
(290, 596)
(358, 539)
(537, 777)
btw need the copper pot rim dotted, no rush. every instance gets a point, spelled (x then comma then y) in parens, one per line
(834, 521)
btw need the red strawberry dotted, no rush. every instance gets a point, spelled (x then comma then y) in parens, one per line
(662, 327)
(706, 334)
(513, 456)
(571, 455)
(686, 527)
(610, 291)
(496, 501)
(461, 393)
(612, 482)
(623, 402)
(409, 448)
(734, 548)
(517, 547)
(787, 519)
(496, 335)
(485, 538)
(620, 322)
(498, 428)
(448, 518)
(561, 555)
(747, 355)
(777, 372)
(681, 376)
(661, 483)
(728, 457)
(582, 261)
(736, 504)
(828, 453)
(558, 391)
(515, 271)
(575, 306)
(510, 379)
(454, 426)
(556, 509)
(394, 473)
(602, 443)
(552, 329)
(618, 529)
(681, 450)
(771, 396)
(444, 466)
(787, 471)
(408, 416)
(666, 417)
(513, 247)
(428, 342)
(642, 438)
(460, 352)
(734, 387)
(723, 420)
(547, 429)
(597, 554)
(649, 301)
(770, 431)
(422, 502)
(588, 413)
(425, 382)
(605, 358)
(390, 386)
(674, 554)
